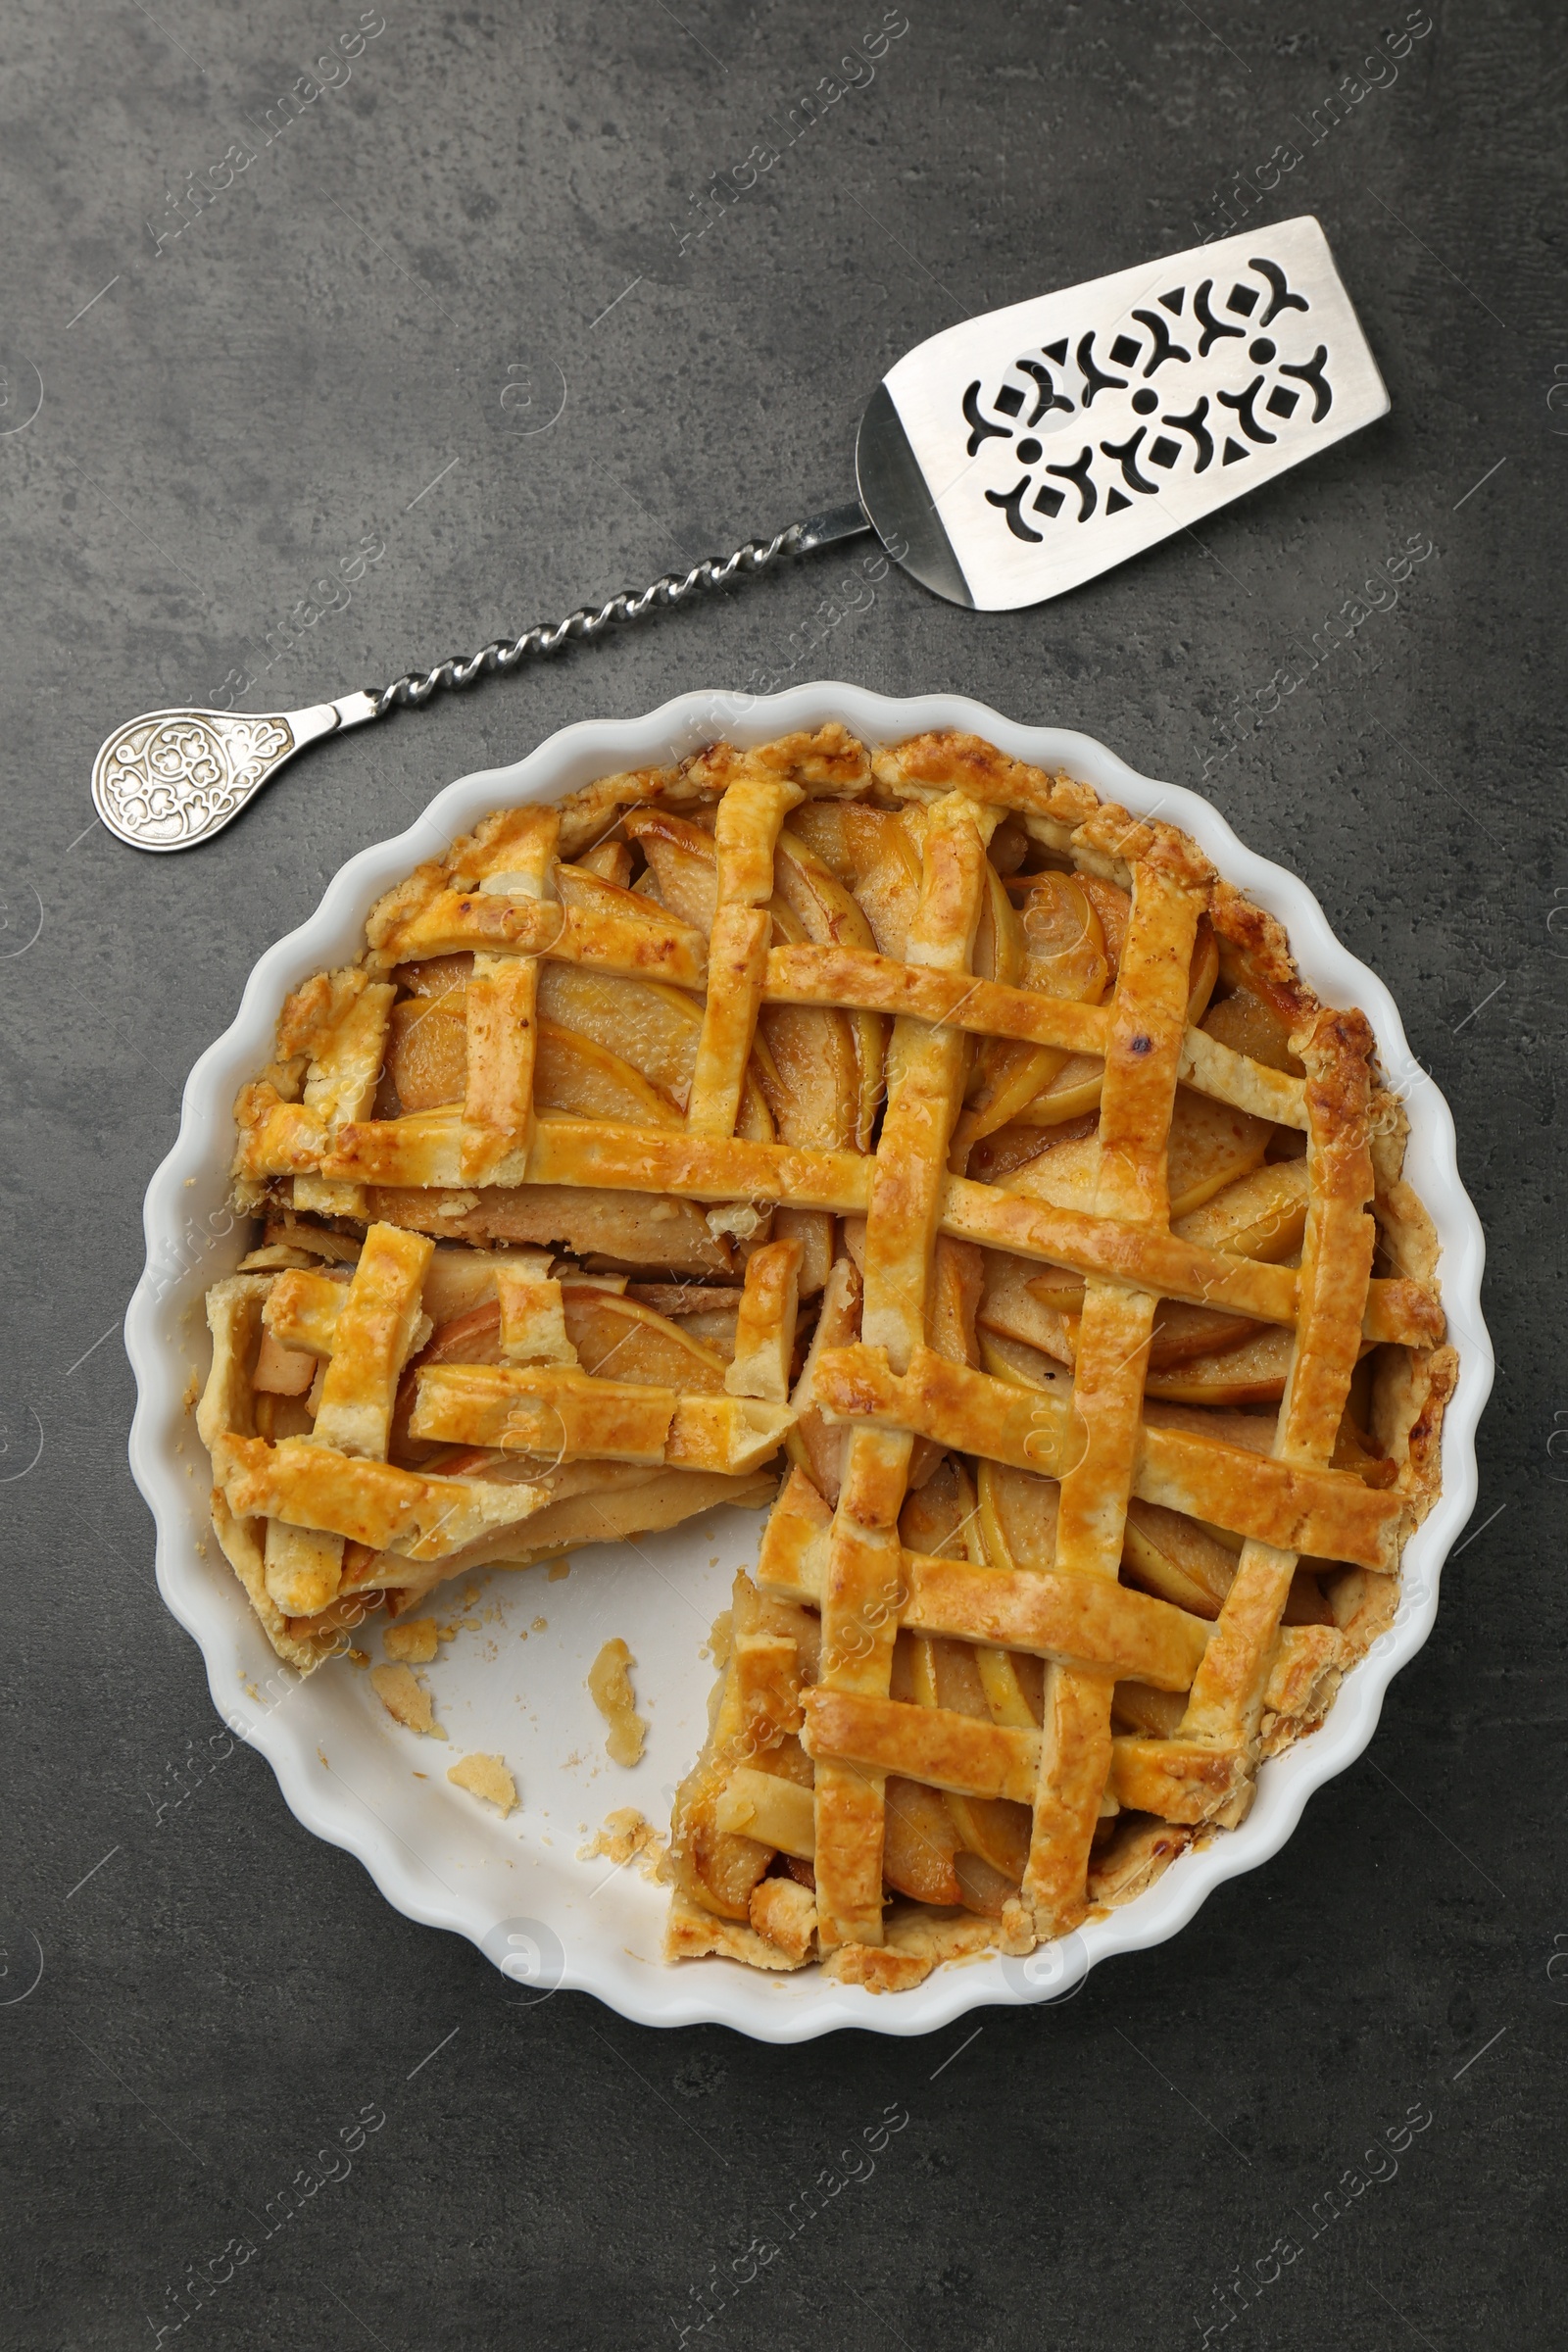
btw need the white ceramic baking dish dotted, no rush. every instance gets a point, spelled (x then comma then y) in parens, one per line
(516, 1887)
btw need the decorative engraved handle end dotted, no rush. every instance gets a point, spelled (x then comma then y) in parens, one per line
(173, 778)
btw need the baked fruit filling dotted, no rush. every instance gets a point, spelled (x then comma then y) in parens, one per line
(909, 1142)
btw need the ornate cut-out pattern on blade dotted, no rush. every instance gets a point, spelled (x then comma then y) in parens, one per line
(1028, 450)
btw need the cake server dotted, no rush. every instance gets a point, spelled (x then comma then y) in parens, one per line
(1000, 462)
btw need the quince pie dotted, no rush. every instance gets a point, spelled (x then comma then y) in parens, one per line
(909, 1140)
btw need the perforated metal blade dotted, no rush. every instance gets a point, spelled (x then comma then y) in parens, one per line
(1013, 457)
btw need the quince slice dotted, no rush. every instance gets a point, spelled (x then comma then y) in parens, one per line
(683, 862)
(811, 898)
(573, 1073)
(653, 1027)
(427, 1048)
(1253, 1373)
(621, 1339)
(1249, 1024)
(1211, 1144)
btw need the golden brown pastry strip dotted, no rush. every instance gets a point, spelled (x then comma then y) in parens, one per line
(548, 1412)
(765, 1328)
(1397, 1309)
(1082, 1620)
(501, 1001)
(562, 1415)
(337, 1022)
(533, 1328)
(745, 834)
(369, 1329)
(925, 1065)
(302, 1313)
(643, 1159)
(1227, 1698)
(1329, 1514)
(1143, 1047)
(598, 1154)
(640, 943)
(309, 1485)
(700, 1168)
(502, 1017)
(373, 1335)
(853, 979)
(872, 1735)
(1179, 1779)
(427, 1148)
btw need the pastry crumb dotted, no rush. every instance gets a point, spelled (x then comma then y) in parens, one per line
(560, 1569)
(486, 1777)
(358, 1657)
(413, 1641)
(404, 1699)
(541, 1625)
(609, 1688)
(627, 1837)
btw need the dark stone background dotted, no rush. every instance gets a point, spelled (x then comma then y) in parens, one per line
(232, 416)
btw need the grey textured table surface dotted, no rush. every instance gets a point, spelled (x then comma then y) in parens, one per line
(240, 391)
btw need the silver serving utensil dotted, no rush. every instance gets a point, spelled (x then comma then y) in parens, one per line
(1000, 462)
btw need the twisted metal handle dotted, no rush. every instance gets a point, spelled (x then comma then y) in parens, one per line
(714, 572)
(173, 778)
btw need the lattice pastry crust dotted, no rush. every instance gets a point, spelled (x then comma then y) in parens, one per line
(910, 1126)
